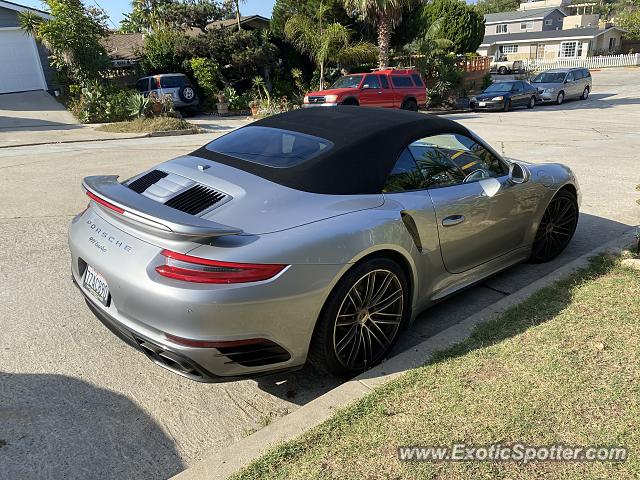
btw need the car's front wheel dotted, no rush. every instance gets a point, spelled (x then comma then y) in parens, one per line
(361, 319)
(560, 98)
(556, 228)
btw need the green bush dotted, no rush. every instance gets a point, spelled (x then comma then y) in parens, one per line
(205, 72)
(96, 103)
(164, 52)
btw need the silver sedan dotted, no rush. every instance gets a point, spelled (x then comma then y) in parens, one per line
(314, 235)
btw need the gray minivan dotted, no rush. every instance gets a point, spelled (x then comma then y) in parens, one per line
(559, 84)
(175, 84)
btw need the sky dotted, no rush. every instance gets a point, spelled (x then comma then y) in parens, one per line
(116, 8)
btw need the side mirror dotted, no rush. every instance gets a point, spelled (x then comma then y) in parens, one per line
(518, 174)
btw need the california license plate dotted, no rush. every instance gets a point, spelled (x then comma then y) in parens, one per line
(482, 104)
(95, 283)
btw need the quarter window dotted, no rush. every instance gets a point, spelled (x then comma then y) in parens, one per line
(502, 28)
(405, 175)
(401, 81)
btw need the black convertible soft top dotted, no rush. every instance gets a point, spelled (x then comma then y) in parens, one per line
(366, 145)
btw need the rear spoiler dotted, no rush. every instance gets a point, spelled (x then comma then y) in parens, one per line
(162, 220)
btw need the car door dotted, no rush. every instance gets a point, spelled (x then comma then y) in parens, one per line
(570, 88)
(480, 214)
(387, 95)
(518, 95)
(371, 91)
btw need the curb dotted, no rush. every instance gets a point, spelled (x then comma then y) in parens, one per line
(222, 463)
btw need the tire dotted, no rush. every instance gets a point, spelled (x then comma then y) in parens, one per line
(410, 105)
(351, 102)
(557, 226)
(507, 105)
(560, 98)
(532, 102)
(187, 94)
(585, 93)
(348, 339)
(502, 71)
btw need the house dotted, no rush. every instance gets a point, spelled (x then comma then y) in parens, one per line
(550, 33)
(123, 48)
(24, 61)
(250, 22)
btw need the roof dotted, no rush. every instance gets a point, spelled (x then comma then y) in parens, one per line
(519, 15)
(23, 8)
(123, 46)
(254, 21)
(502, 38)
(366, 144)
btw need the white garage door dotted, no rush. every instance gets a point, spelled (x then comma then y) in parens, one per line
(20, 67)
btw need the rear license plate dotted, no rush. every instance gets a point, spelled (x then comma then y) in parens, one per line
(482, 104)
(97, 285)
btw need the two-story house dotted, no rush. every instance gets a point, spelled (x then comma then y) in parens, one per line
(563, 31)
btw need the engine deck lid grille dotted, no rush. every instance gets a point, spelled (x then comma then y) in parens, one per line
(195, 199)
(141, 184)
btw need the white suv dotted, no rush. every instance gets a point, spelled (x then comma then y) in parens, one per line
(175, 84)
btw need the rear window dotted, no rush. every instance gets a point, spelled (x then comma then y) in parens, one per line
(272, 147)
(401, 81)
(417, 80)
(173, 82)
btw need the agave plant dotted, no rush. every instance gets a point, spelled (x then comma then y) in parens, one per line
(138, 105)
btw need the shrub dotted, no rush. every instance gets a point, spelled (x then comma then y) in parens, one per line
(95, 103)
(163, 52)
(205, 72)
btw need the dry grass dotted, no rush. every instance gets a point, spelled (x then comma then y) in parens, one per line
(562, 367)
(143, 125)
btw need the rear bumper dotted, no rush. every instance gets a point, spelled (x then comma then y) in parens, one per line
(145, 308)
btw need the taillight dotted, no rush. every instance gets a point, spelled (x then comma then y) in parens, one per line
(201, 270)
(104, 203)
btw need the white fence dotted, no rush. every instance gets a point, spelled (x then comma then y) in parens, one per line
(589, 62)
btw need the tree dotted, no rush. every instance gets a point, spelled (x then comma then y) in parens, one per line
(629, 19)
(72, 35)
(326, 42)
(461, 23)
(283, 10)
(235, 6)
(164, 52)
(385, 15)
(152, 15)
(497, 6)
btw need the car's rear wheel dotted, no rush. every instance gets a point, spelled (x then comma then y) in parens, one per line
(502, 70)
(585, 93)
(410, 105)
(361, 319)
(556, 228)
(532, 102)
(560, 98)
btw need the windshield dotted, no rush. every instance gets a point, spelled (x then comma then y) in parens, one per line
(272, 147)
(549, 77)
(499, 87)
(350, 81)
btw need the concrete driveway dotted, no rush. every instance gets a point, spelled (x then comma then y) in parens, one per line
(33, 110)
(75, 402)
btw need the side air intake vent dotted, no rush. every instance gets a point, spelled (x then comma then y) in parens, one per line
(195, 200)
(145, 181)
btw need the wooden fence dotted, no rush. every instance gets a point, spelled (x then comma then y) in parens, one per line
(628, 60)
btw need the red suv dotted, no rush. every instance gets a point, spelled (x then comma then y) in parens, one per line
(391, 88)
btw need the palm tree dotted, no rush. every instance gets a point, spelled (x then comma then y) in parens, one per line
(385, 14)
(235, 6)
(326, 42)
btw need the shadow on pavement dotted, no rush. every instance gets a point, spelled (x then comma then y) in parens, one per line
(54, 426)
(18, 124)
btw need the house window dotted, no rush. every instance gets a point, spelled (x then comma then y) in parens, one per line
(549, 21)
(526, 25)
(502, 28)
(570, 49)
(510, 49)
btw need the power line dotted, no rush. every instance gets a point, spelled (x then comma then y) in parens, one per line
(105, 12)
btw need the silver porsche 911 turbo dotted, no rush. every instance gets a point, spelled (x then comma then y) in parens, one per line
(317, 234)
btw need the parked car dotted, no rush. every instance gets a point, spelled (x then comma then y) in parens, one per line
(177, 85)
(502, 66)
(560, 84)
(314, 234)
(504, 95)
(391, 88)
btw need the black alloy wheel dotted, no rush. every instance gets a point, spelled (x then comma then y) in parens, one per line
(556, 228)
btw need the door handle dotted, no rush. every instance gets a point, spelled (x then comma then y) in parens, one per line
(380, 92)
(452, 220)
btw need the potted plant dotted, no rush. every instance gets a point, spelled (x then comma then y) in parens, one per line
(156, 103)
(222, 105)
(254, 105)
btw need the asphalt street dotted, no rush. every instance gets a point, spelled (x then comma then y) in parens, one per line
(76, 402)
